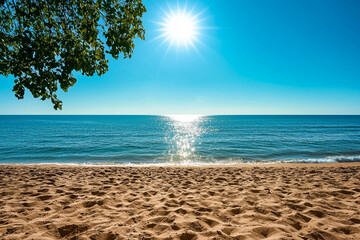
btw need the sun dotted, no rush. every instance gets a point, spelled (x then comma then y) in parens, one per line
(180, 27)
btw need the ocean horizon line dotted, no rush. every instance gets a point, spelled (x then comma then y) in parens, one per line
(185, 114)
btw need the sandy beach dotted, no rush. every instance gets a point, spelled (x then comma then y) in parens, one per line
(282, 201)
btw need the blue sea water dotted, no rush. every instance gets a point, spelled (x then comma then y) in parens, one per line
(181, 139)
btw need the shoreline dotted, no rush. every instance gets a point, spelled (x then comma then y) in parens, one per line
(245, 165)
(272, 201)
(161, 165)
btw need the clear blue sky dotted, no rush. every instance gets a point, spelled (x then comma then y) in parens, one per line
(256, 57)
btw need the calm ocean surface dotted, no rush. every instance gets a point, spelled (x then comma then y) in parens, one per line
(187, 140)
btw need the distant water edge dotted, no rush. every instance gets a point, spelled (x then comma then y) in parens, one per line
(178, 140)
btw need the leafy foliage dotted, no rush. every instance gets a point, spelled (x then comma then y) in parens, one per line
(42, 42)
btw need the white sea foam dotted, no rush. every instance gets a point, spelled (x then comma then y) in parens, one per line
(238, 161)
(332, 159)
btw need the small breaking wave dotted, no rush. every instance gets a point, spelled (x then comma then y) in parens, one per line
(228, 162)
(332, 159)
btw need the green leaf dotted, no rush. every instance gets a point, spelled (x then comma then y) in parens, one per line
(43, 43)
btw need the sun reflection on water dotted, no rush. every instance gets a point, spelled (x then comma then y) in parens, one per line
(183, 136)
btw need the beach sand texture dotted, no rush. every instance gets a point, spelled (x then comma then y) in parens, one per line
(284, 201)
